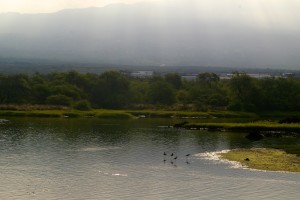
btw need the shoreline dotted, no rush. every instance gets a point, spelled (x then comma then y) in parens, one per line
(242, 121)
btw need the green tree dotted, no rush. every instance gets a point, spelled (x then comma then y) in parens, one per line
(15, 89)
(161, 92)
(207, 79)
(59, 99)
(244, 93)
(174, 79)
(114, 90)
(82, 105)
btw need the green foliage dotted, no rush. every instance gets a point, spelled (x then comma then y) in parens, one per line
(14, 89)
(174, 80)
(244, 93)
(114, 90)
(208, 79)
(82, 105)
(59, 99)
(161, 92)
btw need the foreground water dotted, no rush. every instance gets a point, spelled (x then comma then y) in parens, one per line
(104, 159)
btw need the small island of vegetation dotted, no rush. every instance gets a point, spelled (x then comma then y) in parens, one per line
(264, 159)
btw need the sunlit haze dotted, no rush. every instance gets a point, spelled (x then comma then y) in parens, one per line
(254, 33)
(46, 6)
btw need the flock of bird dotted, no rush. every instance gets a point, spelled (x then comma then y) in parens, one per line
(174, 158)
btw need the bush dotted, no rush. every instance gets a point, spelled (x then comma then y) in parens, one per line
(235, 106)
(82, 105)
(59, 99)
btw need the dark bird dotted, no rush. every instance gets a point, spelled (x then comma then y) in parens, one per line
(247, 159)
(175, 158)
(165, 154)
(172, 154)
(187, 155)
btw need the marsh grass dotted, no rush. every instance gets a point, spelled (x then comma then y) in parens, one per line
(168, 114)
(114, 114)
(68, 113)
(264, 159)
(249, 126)
(191, 114)
(62, 111)
(30, 107)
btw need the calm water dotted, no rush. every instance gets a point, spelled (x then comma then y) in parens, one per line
(98, 159)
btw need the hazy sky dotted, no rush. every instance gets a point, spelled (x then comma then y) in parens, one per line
(259, 8)
(42, 6)
(175, 32)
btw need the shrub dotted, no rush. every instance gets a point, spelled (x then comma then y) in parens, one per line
(59, 100)
(82, 105)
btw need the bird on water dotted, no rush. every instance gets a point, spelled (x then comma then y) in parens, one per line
(187, 156)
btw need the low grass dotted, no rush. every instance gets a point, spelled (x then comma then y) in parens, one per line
(250, 126)
(169, 114)
(115, 114)
(264, 159)
(290, 148)
(68, 114)
(191, 114)
(102, 113)
(232, 114)
(55, 111)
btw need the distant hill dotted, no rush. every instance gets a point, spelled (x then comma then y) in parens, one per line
(148, 34)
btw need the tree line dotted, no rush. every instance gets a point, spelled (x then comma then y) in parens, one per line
(114, 90)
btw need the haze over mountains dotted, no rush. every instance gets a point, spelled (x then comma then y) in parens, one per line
(155, 34)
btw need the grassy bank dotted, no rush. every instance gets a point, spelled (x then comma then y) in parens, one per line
(250, 126)
(124, 113)
(264, 159)
(191, 114)
(46, 111)
(69, 113)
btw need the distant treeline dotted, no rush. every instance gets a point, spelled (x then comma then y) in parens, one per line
(114, 90)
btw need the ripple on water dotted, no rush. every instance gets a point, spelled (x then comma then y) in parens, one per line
(93, 149)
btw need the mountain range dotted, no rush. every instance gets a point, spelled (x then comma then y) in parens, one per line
(150, 34)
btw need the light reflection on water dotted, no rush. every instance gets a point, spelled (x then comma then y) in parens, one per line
(98, 159)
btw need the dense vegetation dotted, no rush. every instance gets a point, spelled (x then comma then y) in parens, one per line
(114, 90)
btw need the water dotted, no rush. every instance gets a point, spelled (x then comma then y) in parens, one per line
(103, 159)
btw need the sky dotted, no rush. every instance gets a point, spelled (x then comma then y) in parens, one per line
(48, 6)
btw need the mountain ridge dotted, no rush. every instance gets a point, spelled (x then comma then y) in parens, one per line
(138, 35)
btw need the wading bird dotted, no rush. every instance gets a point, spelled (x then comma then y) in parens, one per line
(187, 156)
